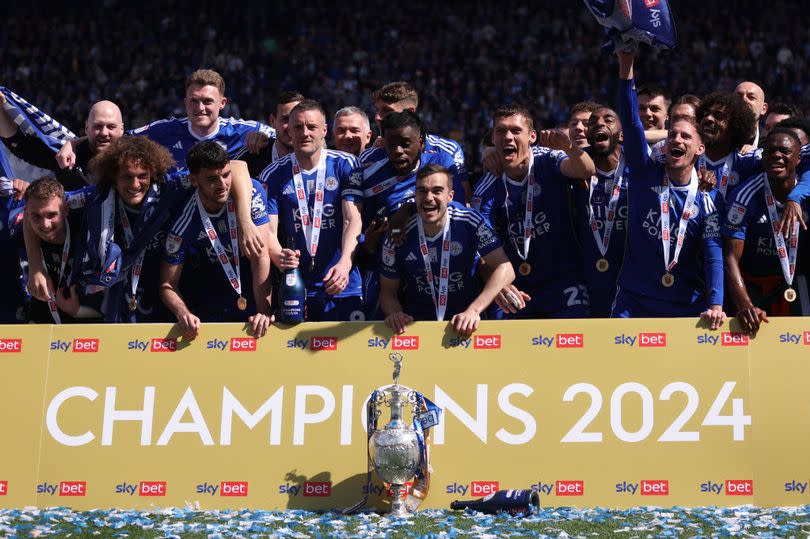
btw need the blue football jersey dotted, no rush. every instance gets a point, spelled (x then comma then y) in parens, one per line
(282, 201)
(177, 136)
(203, 284)
(699, 273)
(470, 236)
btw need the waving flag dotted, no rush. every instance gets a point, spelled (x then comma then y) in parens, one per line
(629, 22)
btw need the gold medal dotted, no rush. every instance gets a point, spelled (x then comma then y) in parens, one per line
(133, 303)
(241, 303)
(668, 280)
(525, 269)
(790, 295)
(602, 265)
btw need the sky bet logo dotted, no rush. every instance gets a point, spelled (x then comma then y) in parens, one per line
(560, 488)
(237, 344)
(476, 489)
(317, 489)
(12, 345)
(733, 487)
(479, 342)
(560, 340)
(315, 343)
(726, 338)
(647, 487)
(155, 345)
(64, 488)
(792, 486)
(3, 488)
(226, 488)
(78, 345)
(144, 488)
(398, 342)
(642, 340)
(795, 338)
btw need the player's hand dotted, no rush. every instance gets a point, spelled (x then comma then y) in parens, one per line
(256, 141)
(19, 186)
(289, 259)
(66, 157)
(250, 242)
(714, 316)
(397, 321)
(336, 279)
(747, 148)
(466, 323)
(490, 161)
(556, 139)
(189, 325)
(511, 299)
(373, 234)
(39, 285)
(259, 323)
(791, 214)
(750, 318)
(707, 179)
(69, 303)
(398, 222)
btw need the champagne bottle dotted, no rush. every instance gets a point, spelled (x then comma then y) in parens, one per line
(291, 293)
(515, 502)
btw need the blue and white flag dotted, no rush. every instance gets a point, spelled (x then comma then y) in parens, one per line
(629, 22)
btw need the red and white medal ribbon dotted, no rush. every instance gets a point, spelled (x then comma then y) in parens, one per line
(311, 227)
(787, 254)
(528, 227)
(440, 303)
(725, 172)
(685, 216)
(231, 270)
(62, 263)
(129, 237)
(603, 242)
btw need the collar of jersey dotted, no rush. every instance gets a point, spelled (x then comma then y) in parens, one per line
(207, 137)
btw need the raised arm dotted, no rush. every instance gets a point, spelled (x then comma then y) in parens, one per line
(635, 142)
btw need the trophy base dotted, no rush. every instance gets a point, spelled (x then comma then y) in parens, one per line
(398, 507)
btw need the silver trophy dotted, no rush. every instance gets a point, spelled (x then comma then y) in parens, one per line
(395, 450)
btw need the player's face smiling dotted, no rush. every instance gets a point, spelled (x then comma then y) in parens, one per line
(350, 134)
(307, 129)
(653, 111)
(604, 131)
(512, 137)
(132, 183)
(47, 218)
(682, 145)
(103, 127)
(714, 125)
(213, 186)
(433, 193)
(780, 157)
(578, 130)
(203, 104)
(404, 147)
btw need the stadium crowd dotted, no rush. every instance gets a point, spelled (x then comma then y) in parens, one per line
(487, 182)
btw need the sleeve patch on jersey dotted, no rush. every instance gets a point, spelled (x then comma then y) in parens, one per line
(388, 256)
(476, 203)
(173, 242)
(736, 213)
(484, 233)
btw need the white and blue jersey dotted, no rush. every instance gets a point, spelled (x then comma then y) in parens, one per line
(747, 220)
(178, 137)
(203, 283)
(602, 284)
(555, 281)
(699, 273)
(282, 201)
(470, 236)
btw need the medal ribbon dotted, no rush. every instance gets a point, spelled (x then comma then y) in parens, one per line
(603, 242)
(312, 227)
(65, 253)
(787, 256)
(129, 236)
(725, 172)
(231, 270)
(439, 304)
(685, 216)
(528, 212)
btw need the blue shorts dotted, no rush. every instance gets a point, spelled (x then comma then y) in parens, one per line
(348, 309)
(632, 305)
(552, 302)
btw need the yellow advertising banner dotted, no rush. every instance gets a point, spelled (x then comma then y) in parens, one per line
(616, 413)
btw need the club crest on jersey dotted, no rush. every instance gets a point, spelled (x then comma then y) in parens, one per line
(455, 248)
(331, 183)
(736, 213)
(173, 242)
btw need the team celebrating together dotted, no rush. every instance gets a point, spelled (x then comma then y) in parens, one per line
(646, 207)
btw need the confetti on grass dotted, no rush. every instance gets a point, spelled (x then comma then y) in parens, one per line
(745, 521)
